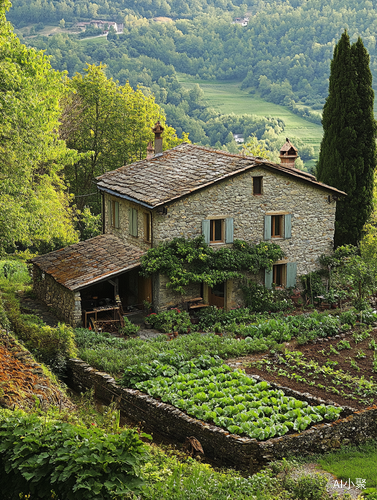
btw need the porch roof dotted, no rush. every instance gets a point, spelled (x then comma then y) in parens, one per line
(90, 261)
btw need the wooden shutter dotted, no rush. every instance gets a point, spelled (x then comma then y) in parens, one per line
(130, 220)
(288, 226)
(134, 222)
(291, 274)
(116, 207)
(268, 275)
(229, 230)
(267, 227)
(206, 230)
(109, 214)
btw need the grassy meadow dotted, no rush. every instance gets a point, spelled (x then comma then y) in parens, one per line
(229, 98)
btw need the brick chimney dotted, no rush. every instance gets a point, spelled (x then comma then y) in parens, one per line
(157, 129)
(150, 151)
(288, 154)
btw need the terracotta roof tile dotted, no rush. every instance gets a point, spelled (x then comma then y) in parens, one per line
(89, 261)
(183, 170)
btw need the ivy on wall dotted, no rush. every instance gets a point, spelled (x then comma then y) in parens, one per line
(186, 261)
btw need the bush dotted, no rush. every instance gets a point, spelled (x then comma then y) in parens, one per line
(129, 328)
(38, 457)
(170, 321)
(261, 299)
(308, 487)
(52, 346)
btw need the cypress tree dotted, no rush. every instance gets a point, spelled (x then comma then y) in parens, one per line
(348, 149)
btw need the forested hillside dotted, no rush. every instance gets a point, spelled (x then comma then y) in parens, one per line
(283, 54)
(33, 11)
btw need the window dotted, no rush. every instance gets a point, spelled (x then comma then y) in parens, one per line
(257, 185)
(277, 226)
(113, 208)
(132, 221)
(279, 272)
(218, 230)
(283, 274)
(147, 227)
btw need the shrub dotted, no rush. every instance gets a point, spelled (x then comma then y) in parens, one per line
(129, 328)
(170, 321)
(38, 457)
(52, 346)
(308, 487)
(261, 299)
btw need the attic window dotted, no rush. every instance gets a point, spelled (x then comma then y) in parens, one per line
(257, 185)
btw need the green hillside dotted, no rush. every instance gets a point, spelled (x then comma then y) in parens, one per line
(229, 98)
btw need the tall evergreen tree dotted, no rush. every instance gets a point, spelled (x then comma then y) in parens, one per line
(348, 150)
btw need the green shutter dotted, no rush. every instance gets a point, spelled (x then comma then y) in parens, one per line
(109, 219)
(268, 278)
(267, 227)
(134, 222)
(206, 230)
(229, 230)
(288, 226)
(116, 206)
(130, 220)
(291, 274)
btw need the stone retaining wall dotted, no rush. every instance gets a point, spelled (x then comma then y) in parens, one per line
(236, 451)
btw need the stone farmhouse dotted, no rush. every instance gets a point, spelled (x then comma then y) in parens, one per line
(187, 191)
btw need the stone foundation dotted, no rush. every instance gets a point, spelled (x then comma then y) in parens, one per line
(241, 452)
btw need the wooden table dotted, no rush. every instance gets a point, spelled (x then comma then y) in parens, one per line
(96, 310)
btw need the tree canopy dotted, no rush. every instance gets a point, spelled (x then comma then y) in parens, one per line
(348, 150)
(111, 124)
(34, 205)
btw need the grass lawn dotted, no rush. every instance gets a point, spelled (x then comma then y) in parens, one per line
(229, 98)
(352, 463)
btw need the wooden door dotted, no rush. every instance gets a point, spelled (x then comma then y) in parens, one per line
(216, 295)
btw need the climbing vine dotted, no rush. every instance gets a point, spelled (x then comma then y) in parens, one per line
(186, 261)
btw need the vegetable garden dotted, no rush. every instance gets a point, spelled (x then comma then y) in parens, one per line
(211, 391)
(189, 371)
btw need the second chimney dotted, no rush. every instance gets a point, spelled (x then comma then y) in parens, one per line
(288, 154)
(157, 129)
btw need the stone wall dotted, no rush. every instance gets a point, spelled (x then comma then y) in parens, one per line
(313, 219)
(65, 303)
(236, 451)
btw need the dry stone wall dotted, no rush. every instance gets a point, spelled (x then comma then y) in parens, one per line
(242, 452)
(65, 303)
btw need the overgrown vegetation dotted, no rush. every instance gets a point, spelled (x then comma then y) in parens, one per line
(52, 346)
(67, 459)
(186, 261)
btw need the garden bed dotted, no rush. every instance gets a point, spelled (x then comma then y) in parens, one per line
(341, 368)
(217, 443)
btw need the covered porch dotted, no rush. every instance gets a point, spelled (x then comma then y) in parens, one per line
(92, 281)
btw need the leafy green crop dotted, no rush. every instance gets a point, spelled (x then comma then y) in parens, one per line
(230, 399)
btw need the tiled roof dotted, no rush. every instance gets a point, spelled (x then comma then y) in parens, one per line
(89, 261)
(183, 170)
(287, 146)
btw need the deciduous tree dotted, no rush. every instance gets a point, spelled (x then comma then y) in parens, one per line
(34, 208)
(110, 122)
